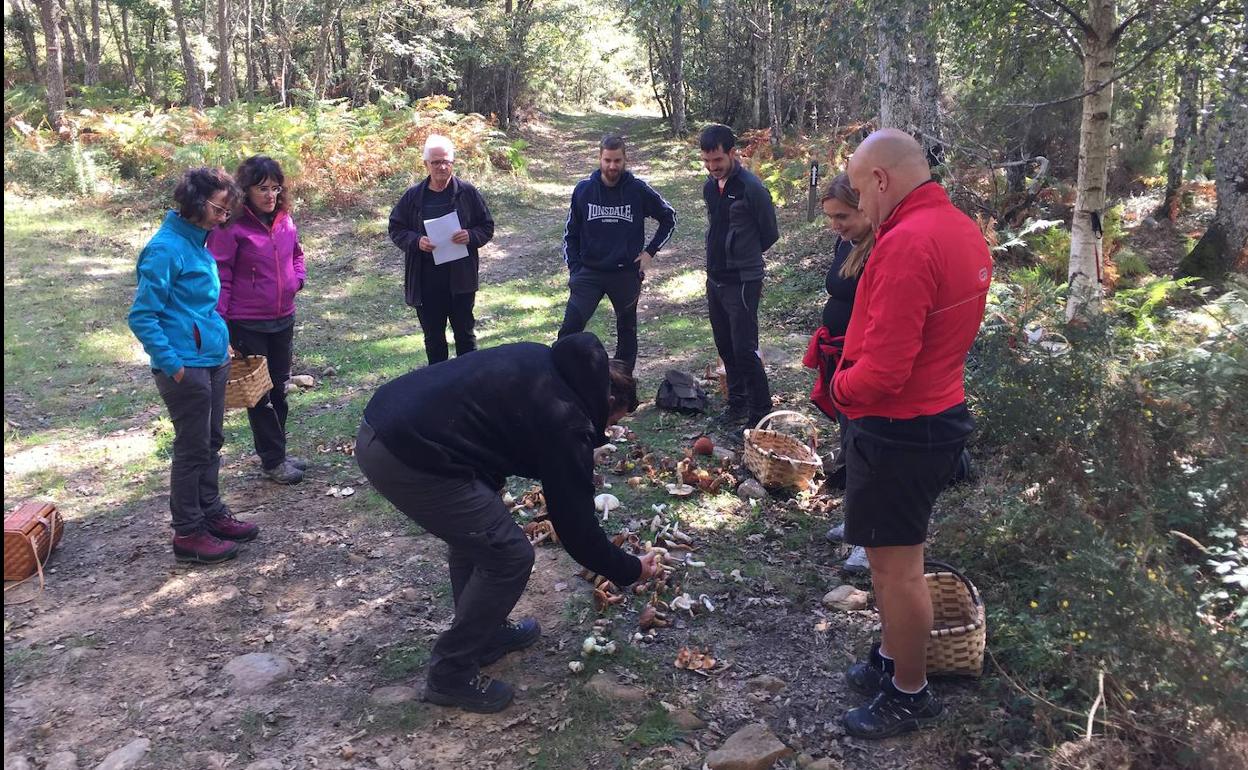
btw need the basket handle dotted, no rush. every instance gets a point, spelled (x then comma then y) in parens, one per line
(806, 421)
(943, 566)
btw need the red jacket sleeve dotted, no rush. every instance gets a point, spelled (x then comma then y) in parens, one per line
(899, 300)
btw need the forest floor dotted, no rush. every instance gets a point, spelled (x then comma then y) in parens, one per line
(123, 643)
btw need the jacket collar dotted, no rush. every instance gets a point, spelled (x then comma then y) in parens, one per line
(193, 233)
(255, 219)
(626, 176)
(928, 194)
(453, 185)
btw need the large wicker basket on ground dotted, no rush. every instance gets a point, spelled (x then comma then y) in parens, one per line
(249, 381)
(959, 630)
(778, 459)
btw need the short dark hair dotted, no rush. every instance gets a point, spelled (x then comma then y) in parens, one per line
(717, 136)
(612, 142)
(197, 185)
(258, 168)
(623, 385)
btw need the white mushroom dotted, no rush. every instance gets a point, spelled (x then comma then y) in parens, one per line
(606, 503)
(575, 666)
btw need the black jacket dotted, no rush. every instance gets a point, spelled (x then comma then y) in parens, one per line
(407, 226)
(522, 409)
(742, 225)
(606, 226)
(841, 291)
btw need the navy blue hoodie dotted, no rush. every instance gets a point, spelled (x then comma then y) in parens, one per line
(606, 226)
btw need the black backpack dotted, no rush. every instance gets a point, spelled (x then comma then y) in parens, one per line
(681, 392)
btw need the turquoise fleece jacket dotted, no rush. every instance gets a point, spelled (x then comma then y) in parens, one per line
(174, 313)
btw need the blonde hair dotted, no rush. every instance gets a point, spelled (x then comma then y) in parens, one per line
(840, 189)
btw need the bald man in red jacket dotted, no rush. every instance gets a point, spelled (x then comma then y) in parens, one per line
(918, 308)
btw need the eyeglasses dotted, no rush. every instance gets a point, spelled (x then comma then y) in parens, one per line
(223, 211)
(269, 190)
(440, 163)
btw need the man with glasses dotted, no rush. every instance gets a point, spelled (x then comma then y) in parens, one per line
(441, 292)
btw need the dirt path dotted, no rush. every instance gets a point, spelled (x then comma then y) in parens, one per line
(124, 644)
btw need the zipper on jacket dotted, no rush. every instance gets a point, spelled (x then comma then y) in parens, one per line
(253, 278)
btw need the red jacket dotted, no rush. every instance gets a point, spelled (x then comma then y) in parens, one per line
(261, 267)
(919, 305)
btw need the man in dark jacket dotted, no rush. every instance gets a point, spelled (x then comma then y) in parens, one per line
(448, 290)
(741, 226)
(602, 245)
(439, 442)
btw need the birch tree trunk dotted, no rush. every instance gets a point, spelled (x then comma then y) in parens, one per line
(227, 91)
(891, 52)
(773, 82)
(194, 82)
(678, 70)
(1189, 76)
(926, 95)
(1084, 271)
(249, 53)
(54, 75)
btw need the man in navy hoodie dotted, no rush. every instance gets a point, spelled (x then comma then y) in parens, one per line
(603, 245)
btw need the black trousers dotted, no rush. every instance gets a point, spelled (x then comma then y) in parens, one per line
(490, 559)
(268, 416)
(435, 310)
(197, 408)
(734, 324)
(623, 288)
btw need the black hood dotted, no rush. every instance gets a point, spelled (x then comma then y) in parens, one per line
(581, 361)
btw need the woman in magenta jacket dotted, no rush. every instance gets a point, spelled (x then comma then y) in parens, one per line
(261, 267)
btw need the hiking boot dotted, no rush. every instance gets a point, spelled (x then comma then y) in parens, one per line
(226, 527)
(284, 473)
(892, 712)
(480, 694)
(203, 547)
(868, 676)
(856, 563)
(836, 534)
(299, 462)
(730, 418)
(510, 637)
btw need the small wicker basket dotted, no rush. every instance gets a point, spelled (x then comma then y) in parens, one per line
(779, 460)
(248, 383)
(959, 630)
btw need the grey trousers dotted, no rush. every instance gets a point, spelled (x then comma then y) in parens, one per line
(490, 559)
(197, 408)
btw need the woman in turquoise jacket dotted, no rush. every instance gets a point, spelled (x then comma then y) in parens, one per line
(175, 316)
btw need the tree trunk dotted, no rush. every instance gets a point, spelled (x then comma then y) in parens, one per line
(891, 51)
(1084, 272)
(1189, 76)
(194, 84)
(758, 81)
(24, 24)
(121, 39)
(249, 53)
(773, 82)
(320, 79)
(926, 105)
(94, 48)
(54, 76)
(678, 70)
(69, 52)
(1224, 245)
(149, 59)
(227, 91)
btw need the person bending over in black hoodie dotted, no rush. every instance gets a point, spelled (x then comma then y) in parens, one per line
(439, 442)
(602, 245)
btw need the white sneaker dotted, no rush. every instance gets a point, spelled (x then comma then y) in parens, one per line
(836, 534)
(856, 563)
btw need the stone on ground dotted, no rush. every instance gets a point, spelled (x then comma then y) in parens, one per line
(127, 756)
(753, 747)
(845, 597)
(257, 670)
(606, 686)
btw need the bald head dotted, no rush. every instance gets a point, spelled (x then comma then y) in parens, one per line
(885, 168)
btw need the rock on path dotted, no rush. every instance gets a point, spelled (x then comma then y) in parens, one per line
(753, 747)
(127, 756)
(257, 670)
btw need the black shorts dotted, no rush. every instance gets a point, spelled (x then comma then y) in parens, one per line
(895, 470)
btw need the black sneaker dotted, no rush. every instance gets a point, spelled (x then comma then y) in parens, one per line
(511, 637)
(868, 676)
(480, 694)
(892, 712)
(730, 418)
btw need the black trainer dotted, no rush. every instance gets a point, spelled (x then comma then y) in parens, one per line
(868, 676)
(730, 418)
(511, 637)
(892, 712)
(480, 694)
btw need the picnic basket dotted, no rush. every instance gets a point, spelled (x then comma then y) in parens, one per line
(31, 531)
(778, 459)
(249, 381)
(959, 630)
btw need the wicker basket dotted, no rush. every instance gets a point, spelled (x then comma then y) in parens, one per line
(779, 460)
(249, 381)
(959, 631)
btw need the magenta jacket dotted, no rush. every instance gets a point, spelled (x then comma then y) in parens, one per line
(261, 269)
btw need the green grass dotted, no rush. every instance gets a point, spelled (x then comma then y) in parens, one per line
(402, 661)
(592, 717)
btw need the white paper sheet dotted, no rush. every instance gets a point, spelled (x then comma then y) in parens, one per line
(440, 231)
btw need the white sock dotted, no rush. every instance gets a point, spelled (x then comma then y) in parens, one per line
(909, 692)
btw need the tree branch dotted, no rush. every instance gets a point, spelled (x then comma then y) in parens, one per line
(1148, 54)
(1058, 25)
(1079, 21)
(1116, 35)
